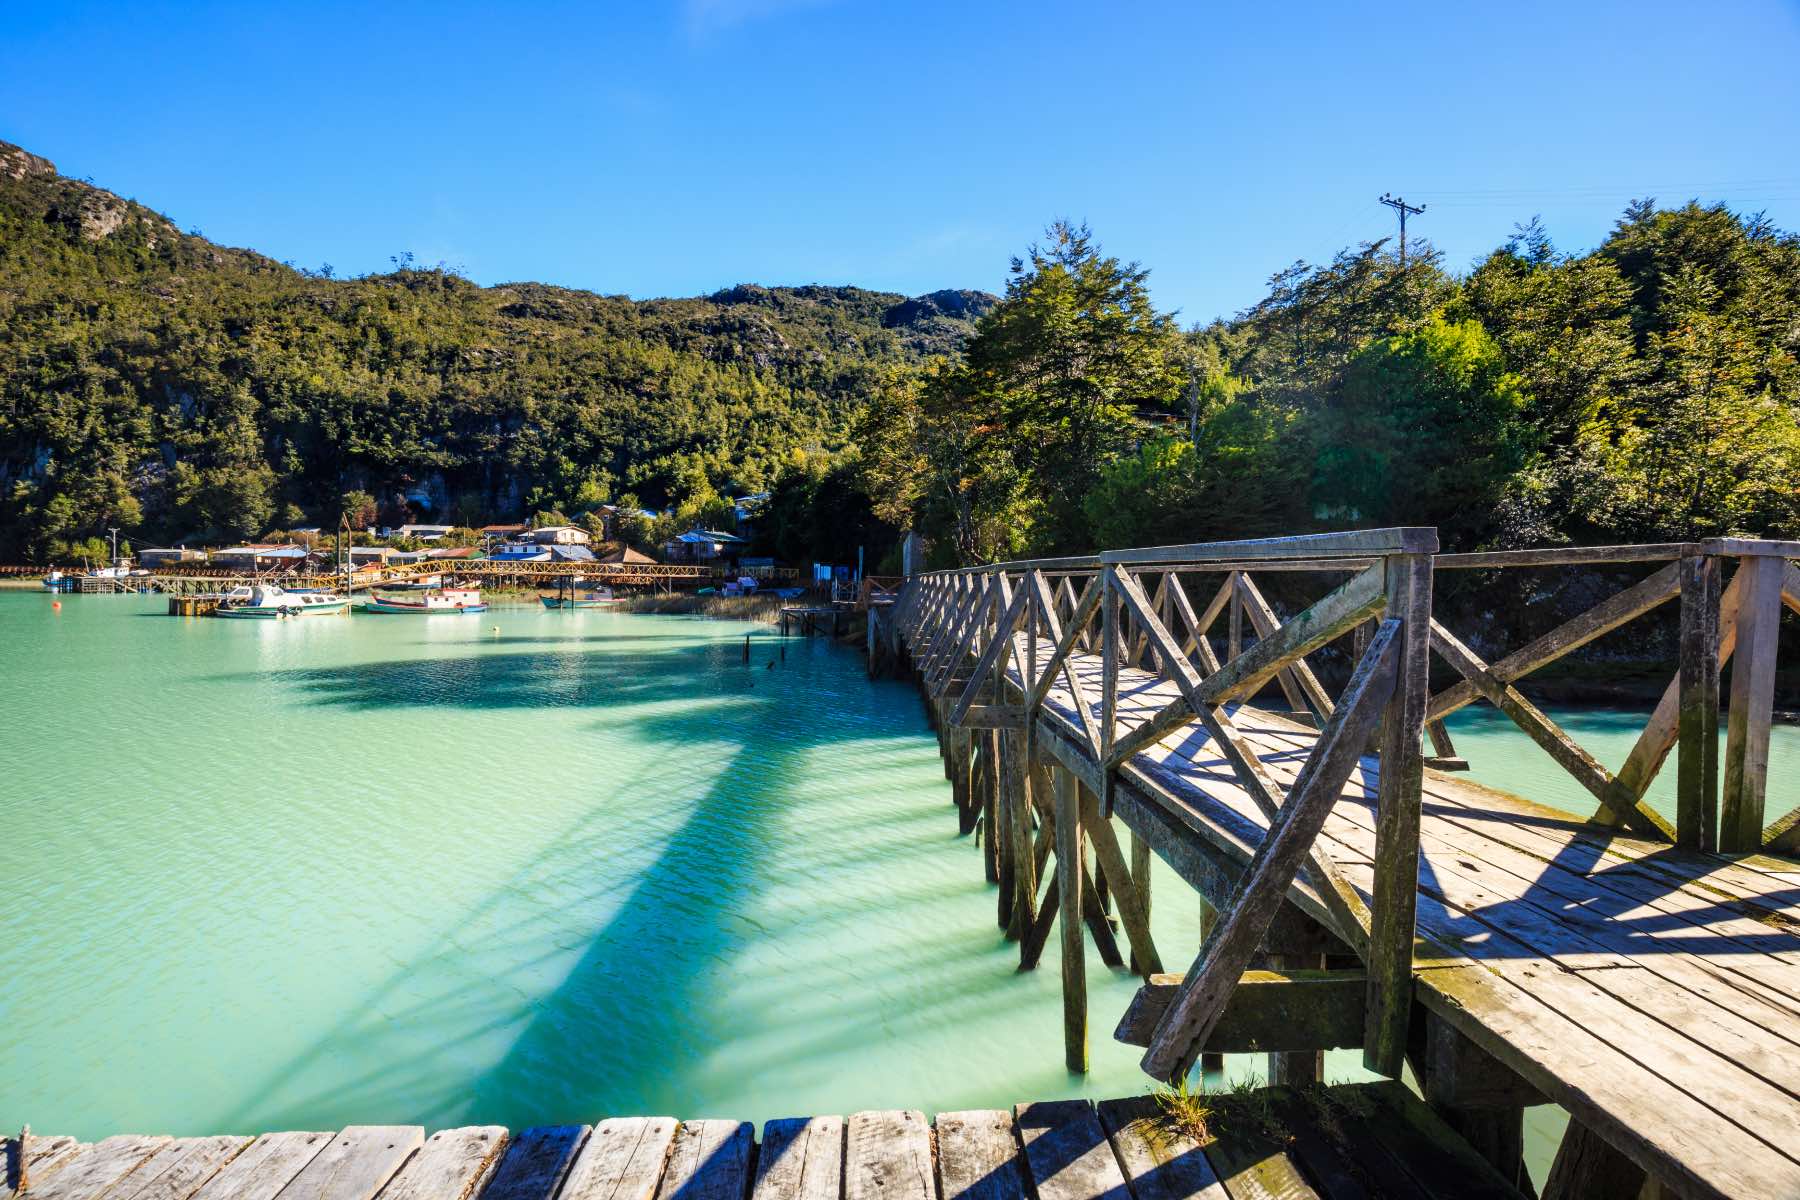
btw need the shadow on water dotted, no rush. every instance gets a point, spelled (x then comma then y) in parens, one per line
(536, 1029)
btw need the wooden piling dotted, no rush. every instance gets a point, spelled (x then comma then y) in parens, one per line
(1697, 752)
(1752, 705)
(1074, 950)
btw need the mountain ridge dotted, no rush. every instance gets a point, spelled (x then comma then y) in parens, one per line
(153, 379)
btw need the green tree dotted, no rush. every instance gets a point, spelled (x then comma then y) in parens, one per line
(1425, 429)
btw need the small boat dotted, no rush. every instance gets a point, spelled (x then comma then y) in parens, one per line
(59, 581)
(445, 600)
(598, 598)
(266, 602)
(423, 583)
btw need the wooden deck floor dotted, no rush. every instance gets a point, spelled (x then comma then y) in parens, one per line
(1654, 993)
(1350, 1140)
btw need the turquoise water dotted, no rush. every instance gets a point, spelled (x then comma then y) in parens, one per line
(309, 873)
(1501, 756)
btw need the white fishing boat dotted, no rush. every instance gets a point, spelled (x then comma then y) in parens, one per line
(444, 601)
(265, 601)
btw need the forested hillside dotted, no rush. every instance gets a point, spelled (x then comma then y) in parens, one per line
(155, 381)
(1646, 390)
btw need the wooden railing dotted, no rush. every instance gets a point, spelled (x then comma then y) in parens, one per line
(1721, 620)
(993, 642)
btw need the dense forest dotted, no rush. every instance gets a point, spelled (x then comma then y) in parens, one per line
(183, 391)
(1647, 389)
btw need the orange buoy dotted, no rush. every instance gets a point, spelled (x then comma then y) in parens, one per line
(56, 604)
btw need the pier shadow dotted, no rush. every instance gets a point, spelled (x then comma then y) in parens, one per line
(627, 1018)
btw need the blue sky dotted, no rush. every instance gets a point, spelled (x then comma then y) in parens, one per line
(675, 148)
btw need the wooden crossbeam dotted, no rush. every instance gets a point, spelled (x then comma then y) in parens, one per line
(1298, 682)
(1195, 1010)
(1347, 606)
(990, 659)
(1567, 752)
(1571, 635)
(1279, 1011)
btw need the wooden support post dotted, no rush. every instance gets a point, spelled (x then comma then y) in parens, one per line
(1587, 1168)
(1295, 1068)
(1478, 1096)
(1000, 833)
(1752, 705)
(1211, 1062)
(990, 789)
(1697, 752)
(1140, 881)
(1069, 854)
(962, 778)
(1396, 875)
(1021, 897)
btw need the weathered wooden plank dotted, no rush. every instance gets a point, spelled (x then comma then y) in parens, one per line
(1397, 540)
(1658, 1123)
(802, 1158)
(622, 1160)
(1267, 1011)
(710, 1160)
(1254, 1165)
(1564, 556)
(176, 1171)
(536, 1162)
(1161, 1161)
(39, 1156)
(1190, 1018)
(101, 1167)
(1697, 755)
(452, 1165)
(265, 1166)
(1394, 887)
(1069, 855)
(1067, 1152)
(356, 1164)
(887, 1156)
(978, 1156)
(1752, 706)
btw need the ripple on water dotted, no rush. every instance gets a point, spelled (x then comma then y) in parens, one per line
(304, 874)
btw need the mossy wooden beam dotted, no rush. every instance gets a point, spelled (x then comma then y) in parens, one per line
(1269, 1011)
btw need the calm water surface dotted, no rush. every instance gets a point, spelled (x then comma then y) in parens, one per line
(308, 873)
(523, 868)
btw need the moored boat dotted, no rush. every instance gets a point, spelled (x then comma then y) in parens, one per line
(442, 601)
(266, 602)
(601, 597)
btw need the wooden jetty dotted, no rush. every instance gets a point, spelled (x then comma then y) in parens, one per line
(1348, 1140)
(1641, 973)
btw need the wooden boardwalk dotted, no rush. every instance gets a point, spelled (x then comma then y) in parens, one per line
(1351, 1140)
(1652, 990)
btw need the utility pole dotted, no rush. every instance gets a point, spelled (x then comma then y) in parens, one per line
(1402, 207)
(115, 545)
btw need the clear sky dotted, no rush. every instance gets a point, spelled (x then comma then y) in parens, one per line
(674, 148)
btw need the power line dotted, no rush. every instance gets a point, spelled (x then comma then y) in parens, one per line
(1402, 207)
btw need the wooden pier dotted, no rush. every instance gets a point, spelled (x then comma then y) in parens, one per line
(1349, 1140)
(1641, 973)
